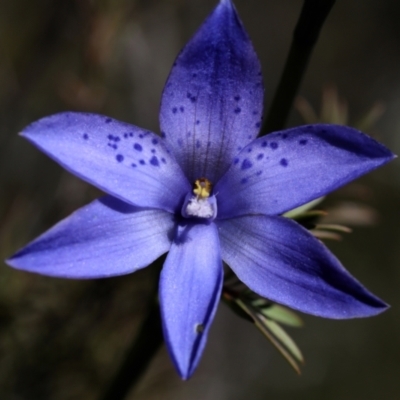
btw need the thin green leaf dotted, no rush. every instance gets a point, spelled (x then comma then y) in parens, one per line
(257, 318)
(325, 235)
(284, 338)
(260, 302)
(333, 227)
(302, 209)
(282, 314)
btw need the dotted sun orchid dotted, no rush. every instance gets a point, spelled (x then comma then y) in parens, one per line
(206, 191)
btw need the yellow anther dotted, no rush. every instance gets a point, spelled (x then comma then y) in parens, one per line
(202, 188)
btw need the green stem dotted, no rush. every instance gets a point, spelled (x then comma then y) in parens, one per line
(312, 17)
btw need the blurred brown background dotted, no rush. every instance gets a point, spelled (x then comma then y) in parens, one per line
(64, 339)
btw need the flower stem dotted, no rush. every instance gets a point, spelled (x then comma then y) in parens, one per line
(138, 357)
(312, 17)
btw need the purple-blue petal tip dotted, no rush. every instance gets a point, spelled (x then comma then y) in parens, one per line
(213, 97)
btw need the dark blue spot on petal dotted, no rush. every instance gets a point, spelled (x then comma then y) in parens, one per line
(303, 142)
(163, 160)
(182, 109)
(141, 136)
(119, 157)
(131, 134)
(86, 136)
(197, 122)
(137, 147)
(190, 96)
(236, 160)
(142, 162)
(110, 137)
(258, 124)
(174, 110)
(108, 120)
(154, 161)
(133, 165)
(237, 97)
(125, 135)
(163, 134)
(246, 164)
(117, 139)
(284, 135)
(154, 141)
(114, 146)
(284, 162)
(264, 144)
(249, 150)
(255, 112)
(260, 156)
(237, 110)
(194, 75)
(153, 151)
(258, 173)
(274, 145)
(244, 180)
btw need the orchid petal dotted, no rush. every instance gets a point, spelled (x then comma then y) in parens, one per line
(286, 169)
(278, 259)
(190, 288)
(212, 102)
(105, 238)
(121, 159)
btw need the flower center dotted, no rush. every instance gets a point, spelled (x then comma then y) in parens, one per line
(200, 203)
(202, 188)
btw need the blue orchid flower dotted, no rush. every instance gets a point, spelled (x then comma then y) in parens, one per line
(206, 191)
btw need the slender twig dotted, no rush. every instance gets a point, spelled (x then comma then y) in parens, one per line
(138, 357)
(312, 17)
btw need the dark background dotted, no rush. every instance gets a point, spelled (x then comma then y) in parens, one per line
(64, 339)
